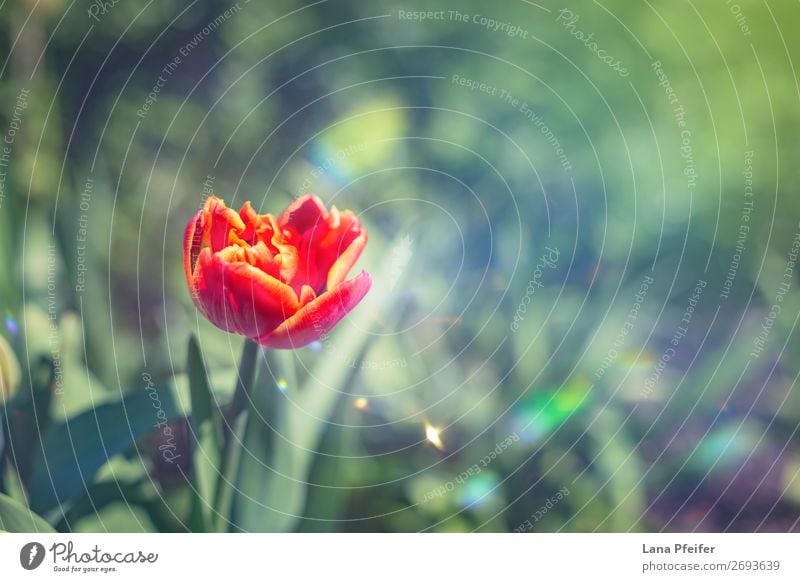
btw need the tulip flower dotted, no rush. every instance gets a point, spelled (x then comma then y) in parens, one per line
(279, 281)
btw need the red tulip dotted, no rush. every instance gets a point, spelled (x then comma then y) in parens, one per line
(279, 281)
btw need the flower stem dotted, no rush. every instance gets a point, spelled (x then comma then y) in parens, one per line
(229, 460)
(244, 380)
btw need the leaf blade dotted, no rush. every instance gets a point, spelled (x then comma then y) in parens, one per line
(73, 451)
(16, 518)
(207, 433)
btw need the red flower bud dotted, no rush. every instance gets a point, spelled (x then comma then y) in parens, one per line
(279, 281)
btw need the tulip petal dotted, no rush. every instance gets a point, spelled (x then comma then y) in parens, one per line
(307, 295)
(219, 223)
(341, 267)
(257, 255)
(286, 255)
(320, 316)
(192, 240)
(305, 219)
(240, 298)
(324, 238)
(253, 225)
(304, 214)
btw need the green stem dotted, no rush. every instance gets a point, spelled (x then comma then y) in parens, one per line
(241, 395)
(244, 380)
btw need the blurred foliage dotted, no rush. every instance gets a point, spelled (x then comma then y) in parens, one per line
(461, 192)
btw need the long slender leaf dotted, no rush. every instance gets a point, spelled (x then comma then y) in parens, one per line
(28, 417)
(223, 500)
(96, 497)
(73, 451)
(207, 429)
(325, 505)
(616, 462)
(16, 518)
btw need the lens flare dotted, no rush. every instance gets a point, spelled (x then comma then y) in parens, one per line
(433, 435)
(11, 324)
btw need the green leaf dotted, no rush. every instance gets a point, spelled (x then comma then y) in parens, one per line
(16, 518)
(616, 461)
(28, 416)
(226, 486)
(117, 517)
(203, 406)
(325, 505)
(207, 430)
(12, 486)
(96, 497)
(73, 451)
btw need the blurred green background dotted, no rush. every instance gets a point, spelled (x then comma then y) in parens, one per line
(580, 219)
